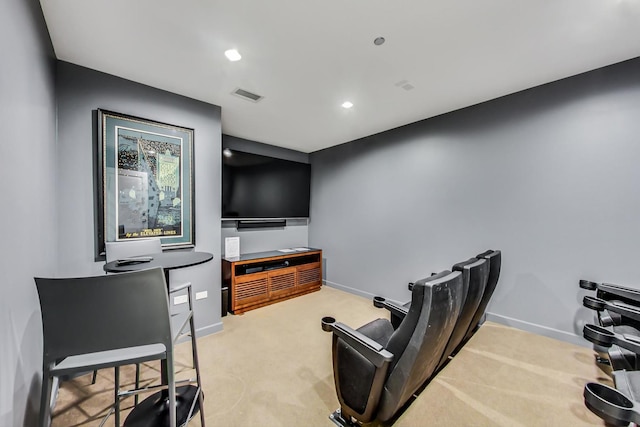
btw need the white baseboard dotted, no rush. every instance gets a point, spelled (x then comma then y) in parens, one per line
(348, 289)
(545, 331)
(209, 329)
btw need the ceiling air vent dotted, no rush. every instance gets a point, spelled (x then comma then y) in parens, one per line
(404, 84)
(247, 95)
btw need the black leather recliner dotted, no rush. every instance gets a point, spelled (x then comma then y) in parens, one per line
(619, 406)
(474, 278)
(618, 309)
(619, 296)
(494, 257)
(378, 367)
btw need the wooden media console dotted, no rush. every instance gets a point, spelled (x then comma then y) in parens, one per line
(258, 279)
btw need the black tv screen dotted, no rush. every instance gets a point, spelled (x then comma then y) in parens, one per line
(257, 187)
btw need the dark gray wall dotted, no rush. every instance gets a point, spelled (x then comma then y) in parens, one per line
(80, 92)
(295, 234)
(255, 147)
(550, 176)
(28, 160)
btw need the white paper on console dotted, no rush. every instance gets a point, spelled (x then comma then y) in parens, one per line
(231, 247)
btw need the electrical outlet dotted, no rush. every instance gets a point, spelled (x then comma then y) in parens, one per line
(182, 299)
(202, 295)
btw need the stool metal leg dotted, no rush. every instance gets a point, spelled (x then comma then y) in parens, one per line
(137, 396)
(196, 364)
(116, 386)
(45, 399)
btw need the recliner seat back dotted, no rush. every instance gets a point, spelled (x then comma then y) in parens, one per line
(435, 306)
(495, 261)
(475, 273)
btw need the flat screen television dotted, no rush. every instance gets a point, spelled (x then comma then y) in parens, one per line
(261, 187)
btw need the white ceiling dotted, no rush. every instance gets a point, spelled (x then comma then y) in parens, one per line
(307, 57)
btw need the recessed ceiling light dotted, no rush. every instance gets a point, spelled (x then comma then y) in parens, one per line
(233, 55)
(347, 104)
(378, 41)
(227, 152)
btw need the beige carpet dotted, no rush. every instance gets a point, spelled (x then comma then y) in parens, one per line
(272, 367)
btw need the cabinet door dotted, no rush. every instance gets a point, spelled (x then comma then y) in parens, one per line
(250, 289)
(309, 275)
(282, 282)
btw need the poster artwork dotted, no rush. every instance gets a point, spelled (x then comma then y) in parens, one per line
(149, 199)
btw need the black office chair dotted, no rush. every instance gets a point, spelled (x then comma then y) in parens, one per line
(495, 262)
(377, 368)
(108, 321)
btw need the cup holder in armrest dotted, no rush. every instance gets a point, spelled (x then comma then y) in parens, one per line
(598, 335)
(609, 404)
(586, 284)
(327, 323)
(593, 303)
(378, 302)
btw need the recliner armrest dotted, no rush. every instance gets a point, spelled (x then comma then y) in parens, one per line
(610, 288)
(625, 310)
(621, 308)
(607, 338)
(622, 291)
(396, 309)
(371, 350)
(365, 364)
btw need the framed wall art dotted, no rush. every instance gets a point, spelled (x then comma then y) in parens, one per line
(145, 180)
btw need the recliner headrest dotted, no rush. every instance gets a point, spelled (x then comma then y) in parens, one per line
(459, 266)
(488, 254)
(433, 277)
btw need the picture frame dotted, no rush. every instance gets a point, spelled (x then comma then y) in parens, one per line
(145, 181)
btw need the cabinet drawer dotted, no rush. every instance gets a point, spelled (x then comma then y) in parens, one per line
(309, 274)
(282, 281)
(250, 289)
